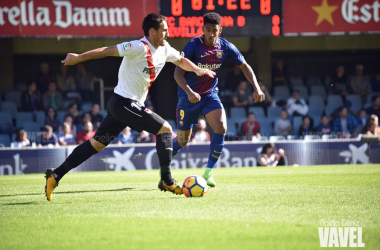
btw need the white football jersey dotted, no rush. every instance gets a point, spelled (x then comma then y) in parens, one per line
(140, 67)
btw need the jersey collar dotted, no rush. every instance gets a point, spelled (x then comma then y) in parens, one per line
(152, 48)
(202, 39)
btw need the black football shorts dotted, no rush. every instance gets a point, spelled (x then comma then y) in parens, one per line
(123, 112)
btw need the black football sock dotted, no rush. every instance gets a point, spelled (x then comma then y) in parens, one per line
(164, 147)
(77, 157)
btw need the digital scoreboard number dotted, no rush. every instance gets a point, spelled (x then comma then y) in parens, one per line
(252, 18)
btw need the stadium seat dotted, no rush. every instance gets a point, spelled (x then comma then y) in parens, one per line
(6, 124)
(274, 113)
(313, 80)
(277, 138)
(316, 110)
(5, 140)
(369, 98)
(61, 116)
(66, 103)
(21, 86)
(329, 109)
(13, 96)
(303, 92)
(334, 101)
(281, 93)
(86, 106)
(311, 137)
(40, 118)
(327, 81)
(266, 127)
(262, 138)
(316, 120)
(356, 102)
(329, 136)
(231, 128)
(296, 80)
(297, 122)
(293, 137)
(5, 117)
(31, 127)
(103, 112)
(259, 112)
(318, 90)
(22, 117)
(238, 113)
(9, 107)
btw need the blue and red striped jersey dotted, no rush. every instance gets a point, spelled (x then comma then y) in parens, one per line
(209, 58)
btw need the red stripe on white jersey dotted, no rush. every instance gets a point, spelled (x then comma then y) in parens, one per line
(152, 68)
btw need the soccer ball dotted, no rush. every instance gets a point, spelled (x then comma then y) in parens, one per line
(194, 186)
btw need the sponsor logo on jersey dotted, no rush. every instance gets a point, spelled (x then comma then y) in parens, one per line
(219, 54)
(127, 46)
(153, 70)
(148, 111)
(209, 66)
(181, 123)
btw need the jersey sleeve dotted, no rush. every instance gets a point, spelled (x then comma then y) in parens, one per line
(188, 51)
(172, 54)
(235, 54)
(131, 49)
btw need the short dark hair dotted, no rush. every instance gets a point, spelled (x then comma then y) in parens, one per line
(374, 98)
(251, 113)
(304, 117)
(266, 146)
(152, 20)
(212, 18)
(30, 82)
(47, 111)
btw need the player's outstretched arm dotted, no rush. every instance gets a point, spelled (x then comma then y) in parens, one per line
(181, 81)
(188, 65)
(72, 59)
(248, 72)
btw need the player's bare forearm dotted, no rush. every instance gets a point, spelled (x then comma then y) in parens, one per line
(72, 59)
(248, 72)
(250, 75)
(188, 65)
(181, 81)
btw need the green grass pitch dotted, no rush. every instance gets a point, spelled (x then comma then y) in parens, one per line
(251, 208)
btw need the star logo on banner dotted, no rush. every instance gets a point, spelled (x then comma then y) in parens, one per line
(121, 161)
(355, 154)
(325, 12)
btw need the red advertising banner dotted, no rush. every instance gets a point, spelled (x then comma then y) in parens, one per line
(76, 18)
(330, 16)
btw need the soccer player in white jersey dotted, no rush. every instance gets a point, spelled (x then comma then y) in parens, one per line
(143, 60)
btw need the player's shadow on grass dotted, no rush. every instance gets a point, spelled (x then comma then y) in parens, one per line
(21, 203)
(72, 192)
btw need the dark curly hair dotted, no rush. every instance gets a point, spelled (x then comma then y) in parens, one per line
(152, 20)
(212, 18)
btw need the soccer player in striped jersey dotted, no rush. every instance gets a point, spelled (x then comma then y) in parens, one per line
(200, 94)
(142, 62)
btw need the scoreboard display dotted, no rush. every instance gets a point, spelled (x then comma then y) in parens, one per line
(253, 18)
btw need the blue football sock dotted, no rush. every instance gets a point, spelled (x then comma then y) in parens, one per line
(216, 147)
(176, 147)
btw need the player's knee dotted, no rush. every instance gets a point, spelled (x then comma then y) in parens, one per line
(166, 128)
(182, 142)
(97, 145)
(183, 139)
(221, 130)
